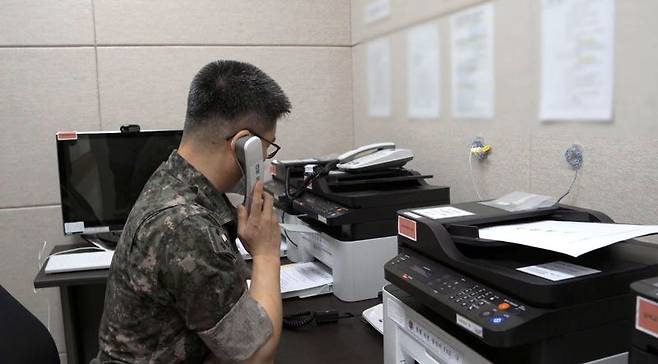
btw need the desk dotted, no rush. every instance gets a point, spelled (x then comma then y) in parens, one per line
(348, 341)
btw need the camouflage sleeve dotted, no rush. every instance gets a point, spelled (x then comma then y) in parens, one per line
(205, 280)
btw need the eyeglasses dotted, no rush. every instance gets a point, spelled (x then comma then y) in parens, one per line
(272, 147)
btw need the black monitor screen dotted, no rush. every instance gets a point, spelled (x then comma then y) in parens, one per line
(102, 174)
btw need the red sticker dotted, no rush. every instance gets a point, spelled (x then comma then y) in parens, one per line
(407, 228)
(646, 316)
(67, 135)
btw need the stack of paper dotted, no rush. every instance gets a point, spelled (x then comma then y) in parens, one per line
(305, 280)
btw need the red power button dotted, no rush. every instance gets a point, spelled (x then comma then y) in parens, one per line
(503, 306)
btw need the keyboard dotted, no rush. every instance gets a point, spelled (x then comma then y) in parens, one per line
(78, 262)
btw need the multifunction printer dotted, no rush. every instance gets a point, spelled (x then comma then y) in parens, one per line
(348, 209)
(479, 293)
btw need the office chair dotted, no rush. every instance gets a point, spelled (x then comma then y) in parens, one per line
(23, 338)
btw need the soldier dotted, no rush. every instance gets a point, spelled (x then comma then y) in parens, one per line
(177, 288)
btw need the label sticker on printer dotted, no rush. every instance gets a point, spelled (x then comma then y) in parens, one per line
(443, 212)
(407, 228)
(557, 271)
(646, 316)
(469, 325)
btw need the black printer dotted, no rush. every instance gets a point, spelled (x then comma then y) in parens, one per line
(644, 338)
(510, 316)
(351, 206)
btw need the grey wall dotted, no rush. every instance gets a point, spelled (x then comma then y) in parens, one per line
(620, 171)
(95, 65)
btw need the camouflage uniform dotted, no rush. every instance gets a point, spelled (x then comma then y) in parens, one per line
(177, 285)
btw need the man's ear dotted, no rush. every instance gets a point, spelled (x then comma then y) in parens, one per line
(237, 136)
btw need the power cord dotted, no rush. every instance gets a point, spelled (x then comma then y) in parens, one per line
(285, 232)
(574, 156)
(570, 186)
(301, 319)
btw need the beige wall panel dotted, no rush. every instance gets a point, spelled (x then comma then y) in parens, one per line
(404, 13)
(315, 22)
(149, 86)
(46, 22)
(618, 176)
(636, 57)
(22, 233)
(441, 146)
(42, 90)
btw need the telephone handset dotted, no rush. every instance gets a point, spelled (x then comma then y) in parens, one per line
(249, 151)
(374, 156)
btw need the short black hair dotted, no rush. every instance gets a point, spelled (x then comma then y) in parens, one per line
(225, 92)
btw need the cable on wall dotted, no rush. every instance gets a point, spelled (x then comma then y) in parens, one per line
(574, 156)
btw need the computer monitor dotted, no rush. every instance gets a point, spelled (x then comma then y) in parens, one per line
(101, 174)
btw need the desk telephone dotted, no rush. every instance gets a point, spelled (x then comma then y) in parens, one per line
(373, 156)
(368, 158)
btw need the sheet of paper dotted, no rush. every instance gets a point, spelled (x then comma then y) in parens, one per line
(379, 78)
(472, 62)
(568, 237)
(577, 46)
(300, 276)
(423, 71)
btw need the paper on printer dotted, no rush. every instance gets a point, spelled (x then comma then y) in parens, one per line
(568, 237)
(304, 280)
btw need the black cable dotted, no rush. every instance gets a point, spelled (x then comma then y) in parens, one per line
(319, 172)
(285, 232)
(297, 320)
(570, 186)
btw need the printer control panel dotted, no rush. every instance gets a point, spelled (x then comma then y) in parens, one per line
(460, 295)
(327, 212)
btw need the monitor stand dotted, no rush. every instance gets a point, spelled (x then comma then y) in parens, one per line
(102, 241)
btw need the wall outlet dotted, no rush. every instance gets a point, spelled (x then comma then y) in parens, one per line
(574, 156)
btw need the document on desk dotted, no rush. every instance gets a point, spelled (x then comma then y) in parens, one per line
(568, 237)
(299, 277)
(304, 280)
